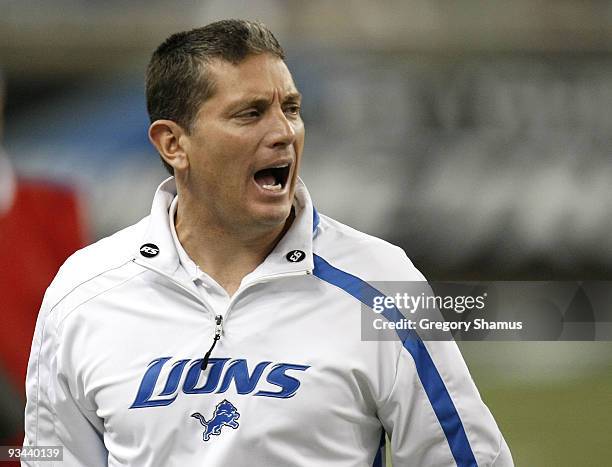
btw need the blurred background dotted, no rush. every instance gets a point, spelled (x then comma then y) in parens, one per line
(475, 134)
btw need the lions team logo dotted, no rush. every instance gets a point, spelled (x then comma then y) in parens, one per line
(225, 415)
(163, 382)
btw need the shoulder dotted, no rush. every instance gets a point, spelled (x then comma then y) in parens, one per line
(98, 266)
(365, 256)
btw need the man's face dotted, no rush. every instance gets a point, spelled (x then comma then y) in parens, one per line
(246, 143)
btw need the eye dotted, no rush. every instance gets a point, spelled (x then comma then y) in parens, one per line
(293, 109)
(249, 113)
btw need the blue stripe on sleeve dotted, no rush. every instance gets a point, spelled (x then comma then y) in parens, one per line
(428, 374)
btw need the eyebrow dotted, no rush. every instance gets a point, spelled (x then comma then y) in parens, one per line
(294, 96)
(261, 100)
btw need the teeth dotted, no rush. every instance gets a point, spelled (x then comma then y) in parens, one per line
(276, 187)
(280, 166)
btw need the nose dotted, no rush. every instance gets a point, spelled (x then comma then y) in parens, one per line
(281, 132)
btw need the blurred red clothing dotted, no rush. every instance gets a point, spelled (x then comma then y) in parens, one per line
(37, 233)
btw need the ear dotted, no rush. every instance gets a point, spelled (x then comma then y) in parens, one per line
(169, 139)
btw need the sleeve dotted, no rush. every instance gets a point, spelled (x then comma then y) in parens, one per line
(434, 415)
(53, 415)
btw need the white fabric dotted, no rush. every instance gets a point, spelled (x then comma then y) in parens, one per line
(114, 371)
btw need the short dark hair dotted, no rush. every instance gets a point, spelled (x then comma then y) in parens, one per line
(177, 82)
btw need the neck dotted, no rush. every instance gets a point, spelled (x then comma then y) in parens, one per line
(227, 254)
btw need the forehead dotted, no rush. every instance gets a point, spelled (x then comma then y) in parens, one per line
(256, 75)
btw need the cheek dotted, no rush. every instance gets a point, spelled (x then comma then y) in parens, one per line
(224, 162)
(214, 149)
(234, 142)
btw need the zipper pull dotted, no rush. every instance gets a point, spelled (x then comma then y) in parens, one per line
(217, 336)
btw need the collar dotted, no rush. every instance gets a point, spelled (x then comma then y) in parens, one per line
(293, 253)
(191, 268)
(8, 183)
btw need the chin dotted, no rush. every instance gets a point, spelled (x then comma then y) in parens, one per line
(271, 216)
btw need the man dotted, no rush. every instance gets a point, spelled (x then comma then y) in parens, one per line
(223, 329)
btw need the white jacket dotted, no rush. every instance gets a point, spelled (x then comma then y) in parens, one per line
(114, 373)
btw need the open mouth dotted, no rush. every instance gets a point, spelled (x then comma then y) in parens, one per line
(273, 178)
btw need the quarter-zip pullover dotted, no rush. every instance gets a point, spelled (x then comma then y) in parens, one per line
(123, 371)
